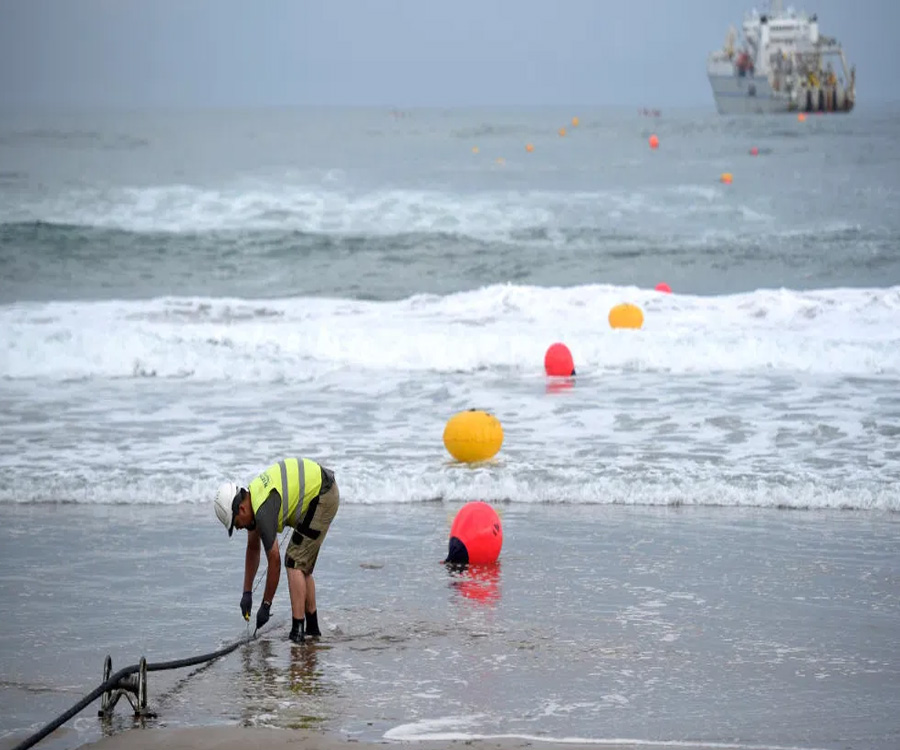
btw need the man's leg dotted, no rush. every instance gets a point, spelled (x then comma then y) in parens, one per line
(310, 593)
(300, 559)
(299, 591)
(312, 617)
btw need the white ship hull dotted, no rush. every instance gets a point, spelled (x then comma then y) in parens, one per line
(782, 64)
(746, 95)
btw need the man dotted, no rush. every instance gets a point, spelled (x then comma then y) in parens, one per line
(295, 492)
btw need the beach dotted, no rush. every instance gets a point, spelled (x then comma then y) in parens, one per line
(744, 626)
(699, 527)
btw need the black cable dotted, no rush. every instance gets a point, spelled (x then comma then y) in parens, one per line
(113, 681)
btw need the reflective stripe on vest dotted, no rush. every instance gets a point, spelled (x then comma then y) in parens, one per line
(296, 494)
(287, 518)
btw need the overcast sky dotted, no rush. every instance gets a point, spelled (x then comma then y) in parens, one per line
(138, 53)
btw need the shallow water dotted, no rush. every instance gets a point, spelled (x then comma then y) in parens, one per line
(710, 625)
(186, 297)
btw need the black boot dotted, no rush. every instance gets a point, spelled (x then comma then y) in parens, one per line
(296, 635)
(312, 624)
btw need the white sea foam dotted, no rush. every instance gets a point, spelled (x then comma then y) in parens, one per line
(452, 729)
(486, 215)
(839, 331)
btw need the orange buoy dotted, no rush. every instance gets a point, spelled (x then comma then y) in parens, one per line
(801, 117)
(558, 361)
(726, 178)
(653, 141)
(575, 122)
(476, 535)
(529, 147)
(662, 286)
(562, 132)
(626, 316)
(473, 436)
(474, 149)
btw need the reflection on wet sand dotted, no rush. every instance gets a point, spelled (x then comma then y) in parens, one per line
(291, 691)
(479, 583)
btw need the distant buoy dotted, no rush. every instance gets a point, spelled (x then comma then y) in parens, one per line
(653, 141)
(500, 160)
(558, 361)
(562, 132)
(474, 149)
(662, 286)
(801, 117)
(529, 147)
(476, 535)
(473, 436)
(626, 316)
(754, 151)
(726, 178)
(575, 122)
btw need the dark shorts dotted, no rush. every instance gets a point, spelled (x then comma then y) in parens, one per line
(303, 549)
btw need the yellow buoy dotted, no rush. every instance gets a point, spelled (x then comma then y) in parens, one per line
(726, 177)
(473, 436)
(575, 122)
(562, 132)
(626, 316)
(474, 149)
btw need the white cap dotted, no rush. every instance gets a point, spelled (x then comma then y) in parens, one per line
(227, 493)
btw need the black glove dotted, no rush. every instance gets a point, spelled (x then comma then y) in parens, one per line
(246, 605)
(262, 614)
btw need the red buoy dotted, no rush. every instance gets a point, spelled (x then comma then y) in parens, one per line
(476, 535)
(662, 286)
(558, 361)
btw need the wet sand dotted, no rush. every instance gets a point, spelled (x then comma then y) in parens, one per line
(240, 738)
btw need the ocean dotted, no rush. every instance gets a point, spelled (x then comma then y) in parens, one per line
(700, 527)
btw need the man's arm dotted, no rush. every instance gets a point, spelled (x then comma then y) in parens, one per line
(273, 571)
(267, 529)
(251, 560)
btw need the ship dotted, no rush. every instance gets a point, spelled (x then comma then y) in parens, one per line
(780, 64)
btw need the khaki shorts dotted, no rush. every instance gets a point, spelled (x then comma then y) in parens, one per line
(303, 549)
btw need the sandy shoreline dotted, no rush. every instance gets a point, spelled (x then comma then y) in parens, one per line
(241, 738)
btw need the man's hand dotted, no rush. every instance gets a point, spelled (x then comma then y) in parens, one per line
(246, 605)
(262, 614)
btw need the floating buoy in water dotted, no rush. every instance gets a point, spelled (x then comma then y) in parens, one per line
(801, 117)
(473, 436)
(474, 149)
(726, 178)
(575, 122)
(754, 151)
(662, 286)
(653, 141)
(476, 535)
(529, 147)
(558, 361)
(562, 132)
(626, 316)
